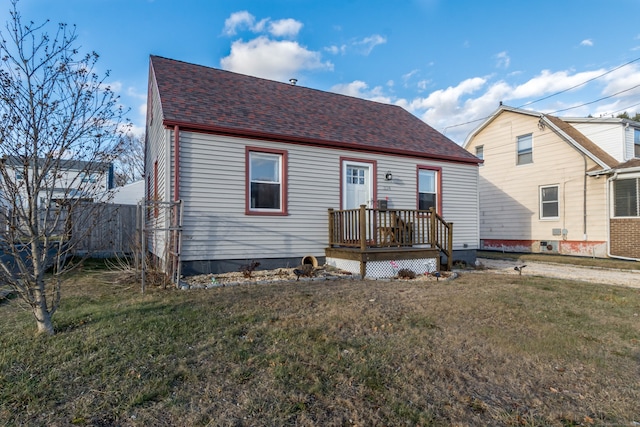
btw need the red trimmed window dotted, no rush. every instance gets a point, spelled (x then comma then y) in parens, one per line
(266, 181)
(429, 188)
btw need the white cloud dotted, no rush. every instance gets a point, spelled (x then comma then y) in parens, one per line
(236, 20)
(423, 84)
(586, 42)
(335, 50)
(285, 27)
(272, 59)
(450, 96)
(244, 20)
(407, 76)
(503, 60)
(367, 44)
(360, 89)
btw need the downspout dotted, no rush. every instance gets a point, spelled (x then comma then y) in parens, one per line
(176, 267)
(609, 181)
(584, 200)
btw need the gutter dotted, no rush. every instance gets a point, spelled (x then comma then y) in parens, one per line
(609, 181)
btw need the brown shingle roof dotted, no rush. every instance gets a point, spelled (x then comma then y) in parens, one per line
(208, 99)
(633, 163)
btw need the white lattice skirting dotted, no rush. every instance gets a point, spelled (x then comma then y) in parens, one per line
(385, 269)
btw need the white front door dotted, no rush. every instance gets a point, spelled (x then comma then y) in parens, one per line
(357, 185)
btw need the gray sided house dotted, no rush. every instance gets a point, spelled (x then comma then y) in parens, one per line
(259, 165)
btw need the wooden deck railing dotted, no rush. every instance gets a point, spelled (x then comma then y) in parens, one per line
(366, 228)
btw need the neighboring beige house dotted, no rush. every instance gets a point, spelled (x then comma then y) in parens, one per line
(552, 185)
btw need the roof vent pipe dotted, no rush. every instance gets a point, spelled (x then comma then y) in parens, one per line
(293, 81)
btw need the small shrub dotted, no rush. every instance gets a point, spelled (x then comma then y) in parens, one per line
(247, 270)
(405, 273)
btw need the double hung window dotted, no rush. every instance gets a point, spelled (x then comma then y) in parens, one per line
(525, 149)
(266, 181)
(427, 189)
(549, 202)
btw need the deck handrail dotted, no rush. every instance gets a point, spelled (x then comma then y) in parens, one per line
(365, 228)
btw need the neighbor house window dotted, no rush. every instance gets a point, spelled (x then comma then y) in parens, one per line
(428, 189)
(525, 149)
(19, 176)
(549, 202)
(266, 192)
(626, 193)
(480, 152)
(636, 142)
(89, 177)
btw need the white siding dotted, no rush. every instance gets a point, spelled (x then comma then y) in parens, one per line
(608, 136)
(212, 185)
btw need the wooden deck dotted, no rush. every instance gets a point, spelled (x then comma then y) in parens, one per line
(388, 234)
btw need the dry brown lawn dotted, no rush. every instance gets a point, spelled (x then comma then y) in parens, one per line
(479, 350)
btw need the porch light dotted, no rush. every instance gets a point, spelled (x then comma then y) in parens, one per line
(388, 176)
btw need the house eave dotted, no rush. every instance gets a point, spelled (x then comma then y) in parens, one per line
(245, 133)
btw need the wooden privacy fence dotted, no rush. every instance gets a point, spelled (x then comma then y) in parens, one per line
(94, 229)
(103, 229)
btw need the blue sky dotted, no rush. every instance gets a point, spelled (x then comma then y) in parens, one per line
(449, 62)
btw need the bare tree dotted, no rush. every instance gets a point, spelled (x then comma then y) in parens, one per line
(60, 129)
(130, 163)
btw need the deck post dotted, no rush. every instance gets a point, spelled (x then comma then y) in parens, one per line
(331, 230)
(363, 238)
(363, 227)
(450, 247)
(433, 239)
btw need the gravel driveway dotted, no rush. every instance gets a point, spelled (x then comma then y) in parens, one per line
(629, 278)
